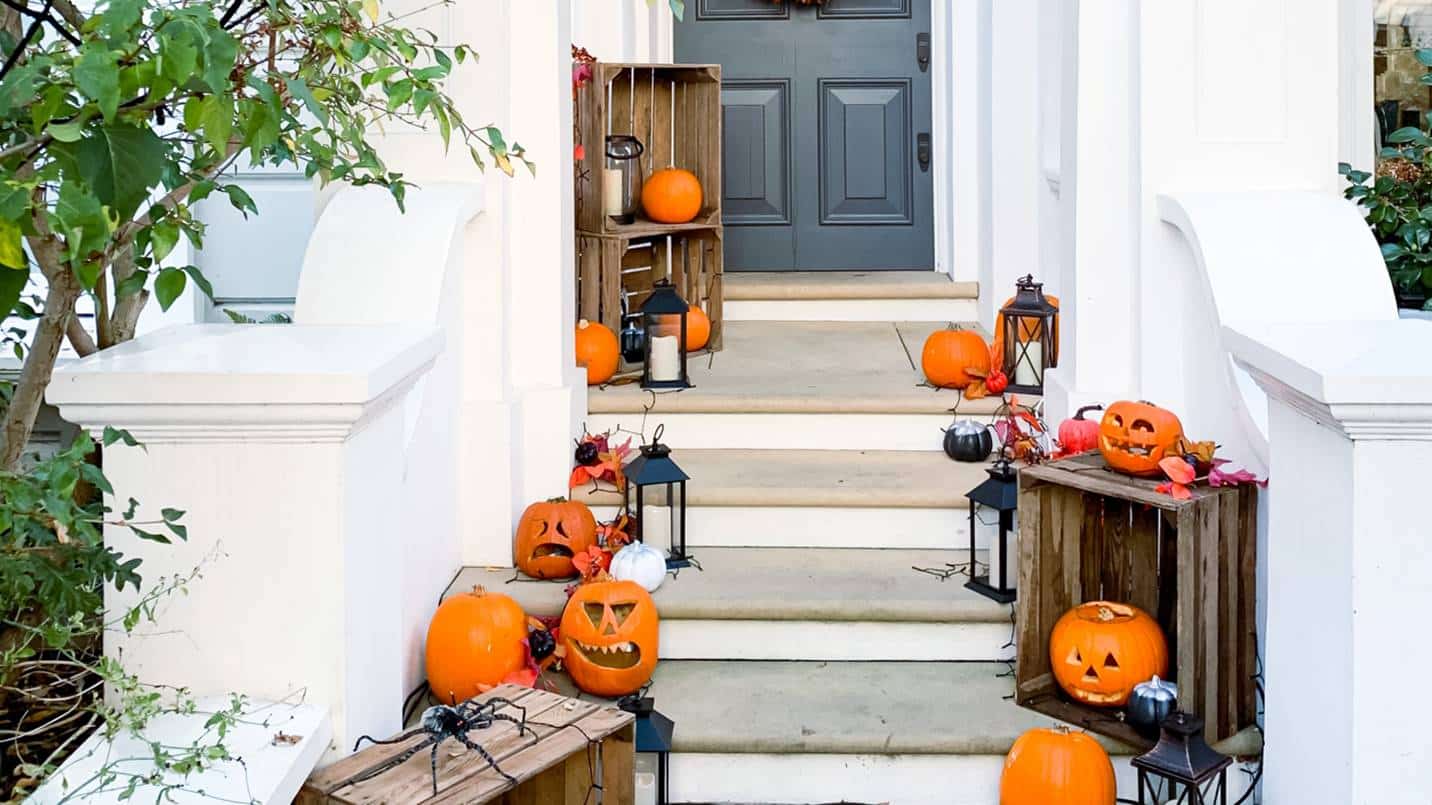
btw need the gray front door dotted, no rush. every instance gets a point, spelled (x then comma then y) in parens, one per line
(826, 117)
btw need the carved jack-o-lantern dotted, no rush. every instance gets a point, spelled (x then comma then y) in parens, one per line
(1100, 650)
(1135, 436)
(609, 628)
(549, 534)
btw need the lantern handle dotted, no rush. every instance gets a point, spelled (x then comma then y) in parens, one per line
(656, 435)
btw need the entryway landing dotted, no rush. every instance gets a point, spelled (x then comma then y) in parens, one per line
(803, 368)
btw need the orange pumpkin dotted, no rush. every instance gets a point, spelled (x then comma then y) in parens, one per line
(948, 353)
(1100, 650)
(1028, 330)
(610, 630)
(1077, 434)
(1135, 436)
(549, 534)
(671, 196)
(698, 329)
(474, 640)
(1057, 767)
(597, 350)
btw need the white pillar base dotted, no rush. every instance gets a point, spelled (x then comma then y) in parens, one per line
(285, 446)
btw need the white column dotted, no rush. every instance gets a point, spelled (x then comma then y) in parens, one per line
(284, 445)
(1349, 567)
(1098, 186)
(1015, 151)
(965, 135)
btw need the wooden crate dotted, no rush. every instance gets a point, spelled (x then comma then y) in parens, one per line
(674, 110)
(612, 268)
(553, 762)
(1087, 533)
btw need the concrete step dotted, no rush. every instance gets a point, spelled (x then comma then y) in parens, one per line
(798, 385)
(787, 603)
(846, 296)
(819, 498)
(800, 732)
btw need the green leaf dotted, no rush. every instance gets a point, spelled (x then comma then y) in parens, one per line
(240, 200)
(163, 237)
(132, 284)
(298, 88)
(1405, 134)
(70, 132)
(121, 164)
(370, 7)
(178, 55)
(97, 76)
(219, 54)
(12, 255)
(168, 286)
(200, 280)
(216, 118)
(12, 284)
(80, 217)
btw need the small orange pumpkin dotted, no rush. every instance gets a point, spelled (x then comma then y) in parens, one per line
(671, 196)
(474, 640)
(948, 353)
(1077, 434)
(1135, 436)
(698, 329)
(610, 630)
(550, 534)
(1100, 650)
(597, 350)
(1057, 767)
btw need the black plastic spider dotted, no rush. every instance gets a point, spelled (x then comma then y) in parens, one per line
(441, 721)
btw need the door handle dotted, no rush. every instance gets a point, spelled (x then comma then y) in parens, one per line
(922, 150)
(922, 51)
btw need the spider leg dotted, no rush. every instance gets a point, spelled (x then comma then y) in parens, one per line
(521, 725)
(476, 747)
(370, 739)
(396, 760)
(435, 767)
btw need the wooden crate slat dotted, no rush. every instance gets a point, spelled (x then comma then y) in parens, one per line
(1087, 533)
(618, 765)
(555, 745)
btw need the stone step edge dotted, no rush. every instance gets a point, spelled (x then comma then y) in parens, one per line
(847, 290)
(787, 499)
(939, 403)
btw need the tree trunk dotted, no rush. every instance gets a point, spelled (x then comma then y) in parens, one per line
(39, 366)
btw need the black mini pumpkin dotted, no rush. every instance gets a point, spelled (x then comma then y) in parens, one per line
(968, 440)
(586, 454)
(542, 644)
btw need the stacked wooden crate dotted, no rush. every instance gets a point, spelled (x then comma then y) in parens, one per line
(675, 111)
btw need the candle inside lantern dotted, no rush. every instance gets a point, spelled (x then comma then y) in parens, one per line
(665, 358)
(1029, 369)
(613, 187)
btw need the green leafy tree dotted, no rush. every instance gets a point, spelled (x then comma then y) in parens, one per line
(114, 124)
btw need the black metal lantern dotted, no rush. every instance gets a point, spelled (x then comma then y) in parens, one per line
(663, 319)
(646, 474)
(998, 493)
(1031, 337)
(653, 750)
(1182, 767)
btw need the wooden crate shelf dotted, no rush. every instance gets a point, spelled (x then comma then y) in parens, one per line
(673, 109)
(1087, 533)
(613, 268)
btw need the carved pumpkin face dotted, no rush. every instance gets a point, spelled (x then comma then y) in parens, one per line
(1100, 650)
(610, 630)
(549, 534)
(1135, 436)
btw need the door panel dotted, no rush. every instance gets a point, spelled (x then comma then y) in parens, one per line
(823, 106)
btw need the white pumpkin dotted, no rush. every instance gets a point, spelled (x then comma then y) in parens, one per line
(640, 563)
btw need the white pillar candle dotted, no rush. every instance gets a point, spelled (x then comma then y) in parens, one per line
(612, 187)
(1030, 367)
(990, 537)
(665, 358)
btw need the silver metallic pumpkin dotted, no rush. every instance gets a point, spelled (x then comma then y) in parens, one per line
(1149, 704)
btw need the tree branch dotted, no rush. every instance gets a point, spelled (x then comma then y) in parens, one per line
(39, 142)
(60, 27)
(39, 366)
(80, 338)
(125, 234)
(25, 41)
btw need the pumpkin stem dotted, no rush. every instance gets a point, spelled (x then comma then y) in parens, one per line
(1079, 415)
(558, 499)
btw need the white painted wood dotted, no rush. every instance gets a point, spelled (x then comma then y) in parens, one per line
(791, 431)
(835, 640)
(1349, 427)
(894, 779)
(965, 178)
(850, 310)
(284, 445)
(270, 773)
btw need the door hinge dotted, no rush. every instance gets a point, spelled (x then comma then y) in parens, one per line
(922, 51)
